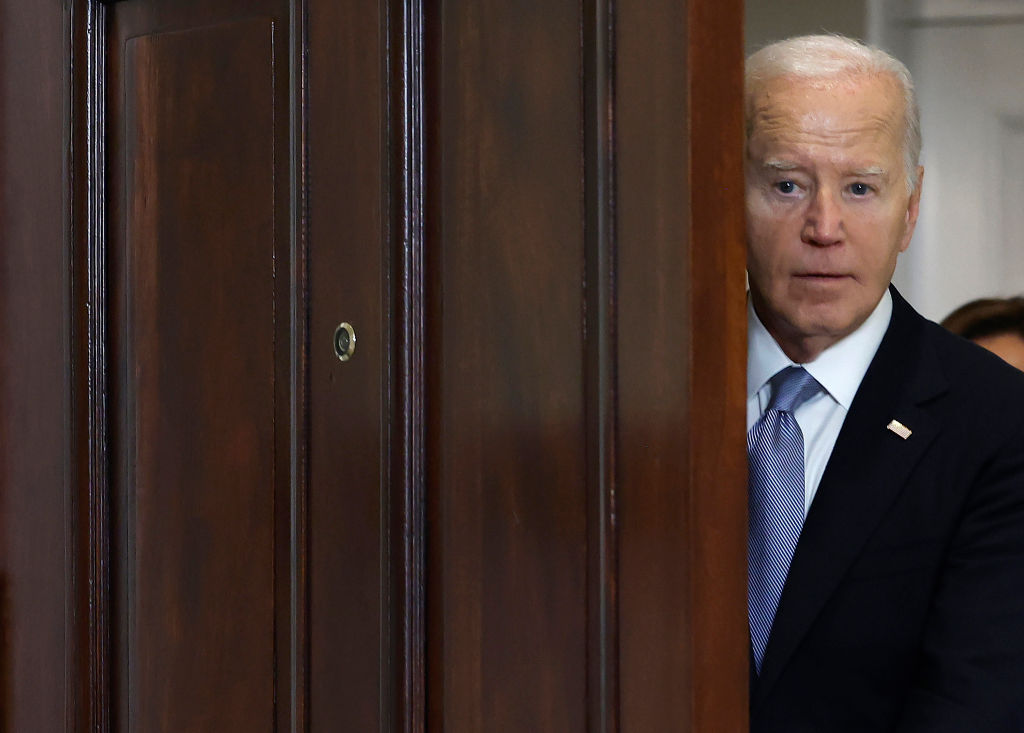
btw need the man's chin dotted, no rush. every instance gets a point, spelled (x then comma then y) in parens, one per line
(824, 323)
(823, 285)
(812, 330)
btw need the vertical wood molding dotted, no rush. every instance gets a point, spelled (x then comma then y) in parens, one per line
(433, 230)
(299, 378)
(405, 240)
(598, 49)
(99, 465)
(90, 581)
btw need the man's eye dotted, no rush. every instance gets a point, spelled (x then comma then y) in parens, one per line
(785, 187)
(860, 189)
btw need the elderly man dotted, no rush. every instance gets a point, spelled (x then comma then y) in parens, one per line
(886, 578)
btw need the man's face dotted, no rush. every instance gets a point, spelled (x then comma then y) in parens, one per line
(827, 206)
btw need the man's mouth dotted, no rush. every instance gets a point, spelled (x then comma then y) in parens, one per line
(821, 275)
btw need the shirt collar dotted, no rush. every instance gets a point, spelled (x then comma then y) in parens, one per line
(839, 369)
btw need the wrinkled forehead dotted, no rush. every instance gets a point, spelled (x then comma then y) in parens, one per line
(852, 104)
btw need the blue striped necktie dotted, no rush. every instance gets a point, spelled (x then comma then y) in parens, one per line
(775, 451)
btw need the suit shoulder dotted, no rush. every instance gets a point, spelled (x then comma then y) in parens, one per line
(976, 374)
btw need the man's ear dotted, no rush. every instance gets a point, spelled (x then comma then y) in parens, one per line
(913, 208)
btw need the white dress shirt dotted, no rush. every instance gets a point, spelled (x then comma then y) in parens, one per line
(839, 369)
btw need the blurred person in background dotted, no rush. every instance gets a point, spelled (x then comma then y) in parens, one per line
(994, 323)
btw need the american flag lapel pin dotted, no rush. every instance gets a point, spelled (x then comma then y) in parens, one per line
(899, 428)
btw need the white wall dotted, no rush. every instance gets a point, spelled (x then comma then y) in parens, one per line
(967, 58)
(768, 21)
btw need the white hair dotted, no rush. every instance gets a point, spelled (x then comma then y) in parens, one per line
(835, 57)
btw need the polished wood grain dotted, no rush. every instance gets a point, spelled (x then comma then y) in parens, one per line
(207, 599)
(37, 472)
(682, 365)
(350, 433)
(509, 478)
(6, 700)
(200, 469)
(517, 508)
(587, 532)
(654, 352)
(719, 656)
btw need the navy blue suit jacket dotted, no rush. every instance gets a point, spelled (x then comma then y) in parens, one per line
(904, 605)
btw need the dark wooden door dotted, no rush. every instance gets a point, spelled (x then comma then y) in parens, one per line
(515, 507)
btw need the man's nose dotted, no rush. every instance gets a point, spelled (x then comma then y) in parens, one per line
(824, 221)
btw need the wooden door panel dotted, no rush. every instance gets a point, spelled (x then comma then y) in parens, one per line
(508, 483)
(200, 475)
(201, 340)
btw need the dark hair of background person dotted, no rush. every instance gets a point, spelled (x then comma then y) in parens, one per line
(987, 317)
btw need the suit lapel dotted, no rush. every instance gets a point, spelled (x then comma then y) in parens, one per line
(868, 468)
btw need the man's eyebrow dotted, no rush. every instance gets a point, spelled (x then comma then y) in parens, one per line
(780, 165)
(872, 170)
(788, 165)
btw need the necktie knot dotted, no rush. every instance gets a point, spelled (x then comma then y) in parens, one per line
(791, 387)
